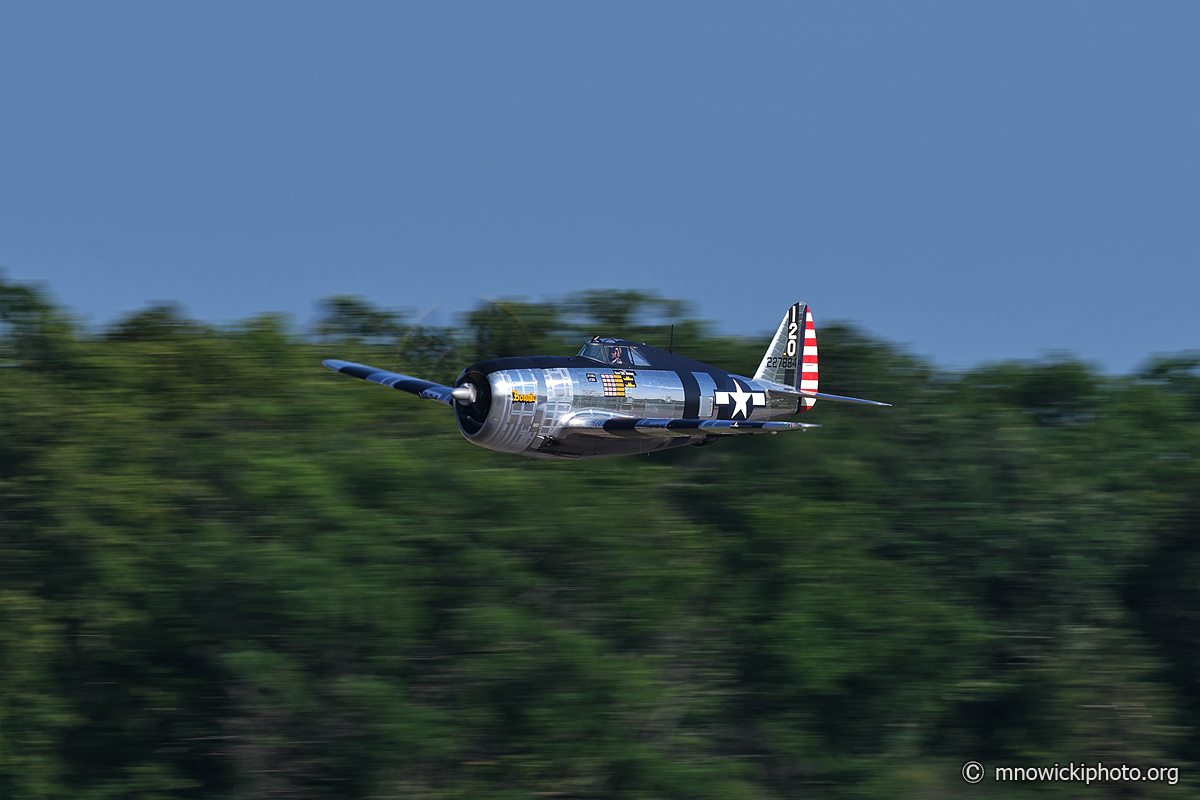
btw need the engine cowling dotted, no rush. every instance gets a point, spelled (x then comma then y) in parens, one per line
(498, 405)
(472, 411)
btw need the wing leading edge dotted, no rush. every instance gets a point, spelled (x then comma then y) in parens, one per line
(405, 383)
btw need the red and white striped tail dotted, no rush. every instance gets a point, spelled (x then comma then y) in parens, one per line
(808, 362)
(791, 360)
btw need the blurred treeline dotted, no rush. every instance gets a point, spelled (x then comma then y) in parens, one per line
(226, 571)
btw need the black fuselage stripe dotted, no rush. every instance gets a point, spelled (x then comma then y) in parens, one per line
(691, 395)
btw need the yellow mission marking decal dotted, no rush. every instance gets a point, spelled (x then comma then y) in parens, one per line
(615, 384)
(523, 398)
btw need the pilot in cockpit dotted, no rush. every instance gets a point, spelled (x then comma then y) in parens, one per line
(608, 353)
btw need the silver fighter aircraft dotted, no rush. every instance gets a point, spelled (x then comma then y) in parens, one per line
(617, 397)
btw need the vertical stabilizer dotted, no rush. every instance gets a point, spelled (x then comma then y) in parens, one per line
(791, 360)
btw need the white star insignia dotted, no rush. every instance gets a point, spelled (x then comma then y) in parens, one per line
(740, 399)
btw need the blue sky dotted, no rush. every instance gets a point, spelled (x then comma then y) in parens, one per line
(974, 181)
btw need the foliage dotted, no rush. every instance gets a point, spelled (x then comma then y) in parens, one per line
(228, 572)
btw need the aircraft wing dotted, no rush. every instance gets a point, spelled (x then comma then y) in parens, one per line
(605, 425)
(405, 383)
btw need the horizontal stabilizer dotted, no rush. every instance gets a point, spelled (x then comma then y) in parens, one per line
(605, 425)
(405, 383)
(838, 398)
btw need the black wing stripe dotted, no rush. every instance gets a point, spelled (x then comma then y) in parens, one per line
(405, 383)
